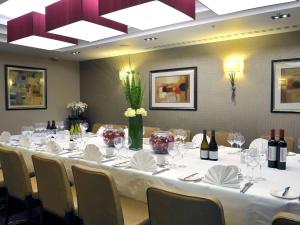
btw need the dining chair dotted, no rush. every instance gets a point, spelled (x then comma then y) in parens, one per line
(221, 137)
(149, 130)
(99, 202)
(18, 183)
(285, 218)
(188, 133)
(55, 193)
(289, 140)
(96, 126)
(169, 208)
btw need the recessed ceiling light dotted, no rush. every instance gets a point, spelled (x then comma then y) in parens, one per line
(280, 16)
(230, 6)
(151, 39)
(76, 53)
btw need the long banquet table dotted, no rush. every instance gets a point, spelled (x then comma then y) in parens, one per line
(256, 206)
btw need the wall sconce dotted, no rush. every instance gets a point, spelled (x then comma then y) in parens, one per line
(232, 69)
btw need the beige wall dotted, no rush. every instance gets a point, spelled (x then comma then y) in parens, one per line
(101, 89)
(63, 87)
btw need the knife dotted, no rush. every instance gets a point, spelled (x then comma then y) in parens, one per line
(160, 171)
(189, 176)
(121, 163)
(247, 187)
(286, 190)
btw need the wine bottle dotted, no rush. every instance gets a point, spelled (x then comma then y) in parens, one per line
(53, 126)
(213, 147)
(48, 125)
(272, 151)
(281, 151)
(204, 147)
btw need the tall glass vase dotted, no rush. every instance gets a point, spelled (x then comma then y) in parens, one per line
(135, 130)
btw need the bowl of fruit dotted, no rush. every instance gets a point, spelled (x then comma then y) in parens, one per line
(161, 142)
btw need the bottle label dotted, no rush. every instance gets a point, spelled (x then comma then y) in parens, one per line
(203, 154)
(213, 155)
(283, 154)
(272, 153)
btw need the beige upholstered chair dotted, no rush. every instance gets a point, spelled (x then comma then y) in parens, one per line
(167, 208)
(284, 218)
(289, 140)
(55, 193)
(221, 137)
(149, 130)
(188, 133)
(99, 202)
(17, 181)
(96, 126)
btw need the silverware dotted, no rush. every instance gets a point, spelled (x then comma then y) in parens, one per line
(107, 160)
(160, 171)
(286, 190)
(121, 163)
(63, 153)
(189, 176)
(247, 187)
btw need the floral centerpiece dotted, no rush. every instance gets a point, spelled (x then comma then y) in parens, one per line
(134, 96)
(77, 109)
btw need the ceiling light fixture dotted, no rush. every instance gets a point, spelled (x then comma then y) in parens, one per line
(16, 8)
(231, 6)
(79, 19)
(151, 39)
(29, 30)
(148, 14)
(280, 16)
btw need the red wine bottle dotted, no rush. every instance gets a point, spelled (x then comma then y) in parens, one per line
(213, 148)
(48, 125)
(53, 126)
(272, 151)
(204, 148)
(281, 151)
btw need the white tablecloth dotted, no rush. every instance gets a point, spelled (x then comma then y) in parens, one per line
(257, 206)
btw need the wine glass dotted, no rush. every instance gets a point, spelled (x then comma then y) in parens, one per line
(262, 159)
(173, 152)
(61, 125)
(241, 141)
(230, 139)
(252, 159)
(84, 127)
(118, 143)
(127, 142)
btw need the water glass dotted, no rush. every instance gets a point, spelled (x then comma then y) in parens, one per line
(262, 159)
(173, 152)
(118, 143)
(252, 160)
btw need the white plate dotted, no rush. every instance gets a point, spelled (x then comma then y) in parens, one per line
(291, 154)
(290, 195)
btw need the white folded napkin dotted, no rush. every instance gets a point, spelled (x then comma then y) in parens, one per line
(100, 131)
(5, 136)
(25, 141)
(53, 147)
(144, 161)
(260, 144)
(197, 139)
(225, 176)
(92, 153)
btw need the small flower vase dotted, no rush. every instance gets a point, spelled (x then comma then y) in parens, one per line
(135, 132)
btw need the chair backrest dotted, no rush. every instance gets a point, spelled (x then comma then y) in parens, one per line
(167, 208)
(15, 174)
(284, 218)
(289, 140)
(53, 185)
(96, 126)
(98, 200)
(221, 137)
(188, 133)
(149, 130)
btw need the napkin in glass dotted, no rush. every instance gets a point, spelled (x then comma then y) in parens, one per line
(225, 176)
(260, 144)
(143, 161)
(92, 153)
(24, 141)
(5, 137)
(53, 147)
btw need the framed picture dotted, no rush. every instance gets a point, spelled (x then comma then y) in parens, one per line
(25, 88)
(285, 86)
(173, 89)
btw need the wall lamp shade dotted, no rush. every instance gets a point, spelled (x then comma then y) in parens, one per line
(16, 8)
(79, 19)
(233, 66)
(29, 30)
(231, 6)
(148, 14)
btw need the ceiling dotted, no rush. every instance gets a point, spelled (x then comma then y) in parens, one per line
(207, 28)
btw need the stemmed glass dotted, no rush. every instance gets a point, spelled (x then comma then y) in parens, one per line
(127, 144)
(252, 160)
(230, 139)
(61, 125)
(262, 159)
(84, 127)
(118, 143)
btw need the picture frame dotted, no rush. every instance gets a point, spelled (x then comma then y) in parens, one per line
(285, 86)
(173, 89)
(25, 88)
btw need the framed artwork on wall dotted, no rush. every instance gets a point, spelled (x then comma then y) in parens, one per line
(173, 89)
(25, 88)
(285, 97)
